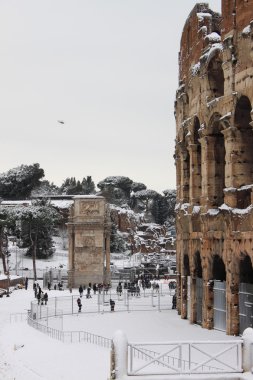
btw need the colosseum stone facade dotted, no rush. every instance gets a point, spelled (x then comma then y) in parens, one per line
(214, 162)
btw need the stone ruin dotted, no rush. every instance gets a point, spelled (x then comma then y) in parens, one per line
(214, 164)
(89, 241)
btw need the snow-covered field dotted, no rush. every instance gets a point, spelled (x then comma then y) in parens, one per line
(39, 357)
(27, 354)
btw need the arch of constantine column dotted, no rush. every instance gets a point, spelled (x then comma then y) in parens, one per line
(89, 241)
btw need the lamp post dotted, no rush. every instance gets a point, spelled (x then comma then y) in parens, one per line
(7, 254)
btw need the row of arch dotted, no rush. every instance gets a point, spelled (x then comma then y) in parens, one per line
(220, 156)
(217, 297)
(219, 268)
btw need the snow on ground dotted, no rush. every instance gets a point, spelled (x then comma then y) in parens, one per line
(38, 356)
(27, 354)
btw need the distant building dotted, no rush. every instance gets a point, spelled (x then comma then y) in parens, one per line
(214, 162)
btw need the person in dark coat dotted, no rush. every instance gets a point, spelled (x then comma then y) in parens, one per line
(174, 301)
(45, 298)
(95, 288)
(112, 303)
(26, 283)
(88, 295)
(81, 291)
(79, 304)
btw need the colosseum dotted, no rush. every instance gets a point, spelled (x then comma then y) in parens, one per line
(214, 164)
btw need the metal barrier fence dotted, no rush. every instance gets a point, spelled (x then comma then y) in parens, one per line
(148, 300)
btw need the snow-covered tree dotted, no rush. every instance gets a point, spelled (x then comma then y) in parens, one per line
(18, 183)
(37, 221)
(170, 196)
(45, 188)
(88, 186)
(116, 189)
(138, 186)
(117, 241)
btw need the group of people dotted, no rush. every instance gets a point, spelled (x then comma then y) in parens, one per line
(39, 294)
(97, 288)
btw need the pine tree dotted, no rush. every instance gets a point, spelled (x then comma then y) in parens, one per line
(88, 186)
(18, 183)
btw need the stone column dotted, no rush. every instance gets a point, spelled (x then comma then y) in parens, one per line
(207, 306)
(193, 316)
(232, 293)
(195, 174)
(208, 170)
(184, 297)
(179, 259)
(178, 174)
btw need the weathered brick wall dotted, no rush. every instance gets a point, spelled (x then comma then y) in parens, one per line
(214, 156)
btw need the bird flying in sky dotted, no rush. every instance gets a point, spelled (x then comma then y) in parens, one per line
(61, 121)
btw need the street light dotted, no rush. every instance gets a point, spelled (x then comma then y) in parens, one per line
(7, 254)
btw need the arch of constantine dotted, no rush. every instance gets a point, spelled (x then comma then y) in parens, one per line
(89, 241)
(214, 163)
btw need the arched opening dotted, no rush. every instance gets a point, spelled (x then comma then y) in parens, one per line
(185, 175)
(216, 162)
(246, 270)
(245, 294)
(196, 164)
(216, 77)
(198, 266)
(186, 265)
(219, 270)
(219, 294)
(199, 289)
(244, 143)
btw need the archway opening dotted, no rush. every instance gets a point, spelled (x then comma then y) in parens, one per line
(186, 265)
(246, 270)
(198, 267)
(216, 152)
(219, 270)
(244, 151)
(196, 163)
(216, 77)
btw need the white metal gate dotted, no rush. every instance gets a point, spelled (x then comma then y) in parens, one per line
(219, 305)
(245, 306)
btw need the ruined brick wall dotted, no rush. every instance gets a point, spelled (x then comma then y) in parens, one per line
(214, 158)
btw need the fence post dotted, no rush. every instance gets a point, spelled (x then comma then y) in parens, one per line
(120, 345)
(247, 350)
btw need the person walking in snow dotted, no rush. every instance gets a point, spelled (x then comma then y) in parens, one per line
(81, 291)
(174, 301)
(112, 304)
(88, 295)
(45, 298)
(79, 304)
(95, 288)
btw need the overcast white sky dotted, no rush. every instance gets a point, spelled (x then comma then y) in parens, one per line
(109, 69)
